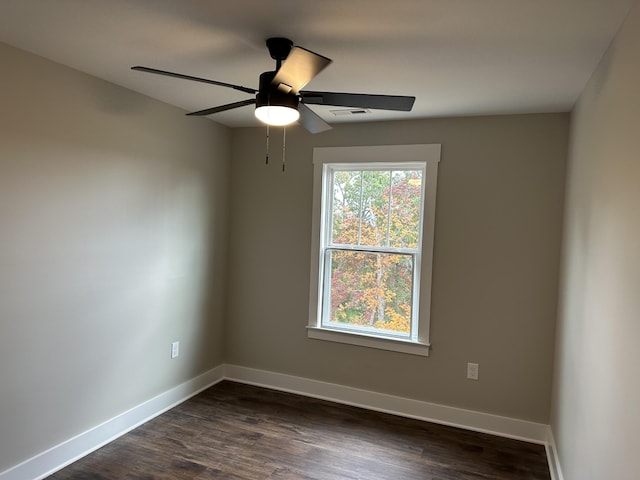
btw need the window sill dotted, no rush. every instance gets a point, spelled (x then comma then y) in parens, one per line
(371, 341)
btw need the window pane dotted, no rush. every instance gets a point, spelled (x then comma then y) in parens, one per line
(376, 208)
(345, 214)
(406, 191)
(371, 291)
(375, 205)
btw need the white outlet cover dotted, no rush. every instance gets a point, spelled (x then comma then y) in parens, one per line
(175, 349)
(472, 371)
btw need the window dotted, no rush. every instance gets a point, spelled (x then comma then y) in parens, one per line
(372, 246)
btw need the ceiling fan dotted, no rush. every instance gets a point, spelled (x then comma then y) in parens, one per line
(280, 100)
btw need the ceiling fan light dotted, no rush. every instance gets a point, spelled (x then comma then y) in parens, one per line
(277, 115)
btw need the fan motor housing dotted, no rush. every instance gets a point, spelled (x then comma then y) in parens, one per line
(275, 98)
(270, 95)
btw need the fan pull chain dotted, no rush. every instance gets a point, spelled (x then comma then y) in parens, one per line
(267, 154)
(284, 144)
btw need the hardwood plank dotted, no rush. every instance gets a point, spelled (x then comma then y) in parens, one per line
(233, 431)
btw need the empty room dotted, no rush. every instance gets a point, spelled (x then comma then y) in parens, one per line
(319, 240)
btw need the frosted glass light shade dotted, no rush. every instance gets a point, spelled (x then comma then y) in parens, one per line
(277, 115)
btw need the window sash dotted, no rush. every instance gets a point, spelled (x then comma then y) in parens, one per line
(327, 322)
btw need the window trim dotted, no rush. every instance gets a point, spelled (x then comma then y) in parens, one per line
(401, 154)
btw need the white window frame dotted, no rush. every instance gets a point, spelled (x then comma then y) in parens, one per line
(386, 156)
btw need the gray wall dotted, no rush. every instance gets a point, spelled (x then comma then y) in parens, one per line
(115, 212)
(497, 247)
(113, 232)
(596, 400)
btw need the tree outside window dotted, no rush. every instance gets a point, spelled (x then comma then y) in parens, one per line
(372, 247)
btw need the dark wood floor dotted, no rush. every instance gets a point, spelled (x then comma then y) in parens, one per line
(233, 431)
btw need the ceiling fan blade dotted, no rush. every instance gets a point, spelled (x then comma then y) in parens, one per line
(300, 66)
(311, 121)
(359, 100)
(195, 79)
(222, 108)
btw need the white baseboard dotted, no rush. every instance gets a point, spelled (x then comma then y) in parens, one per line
(45, 463)
(456, 417)
(552, 457)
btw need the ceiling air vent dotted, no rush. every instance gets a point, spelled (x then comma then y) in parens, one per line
(350, 111)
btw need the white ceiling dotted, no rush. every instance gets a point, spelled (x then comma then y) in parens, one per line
(457, 57)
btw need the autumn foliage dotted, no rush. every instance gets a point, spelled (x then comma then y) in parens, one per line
(375, 233)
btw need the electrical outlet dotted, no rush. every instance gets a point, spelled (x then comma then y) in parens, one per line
(175, 349)
(472, 371)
